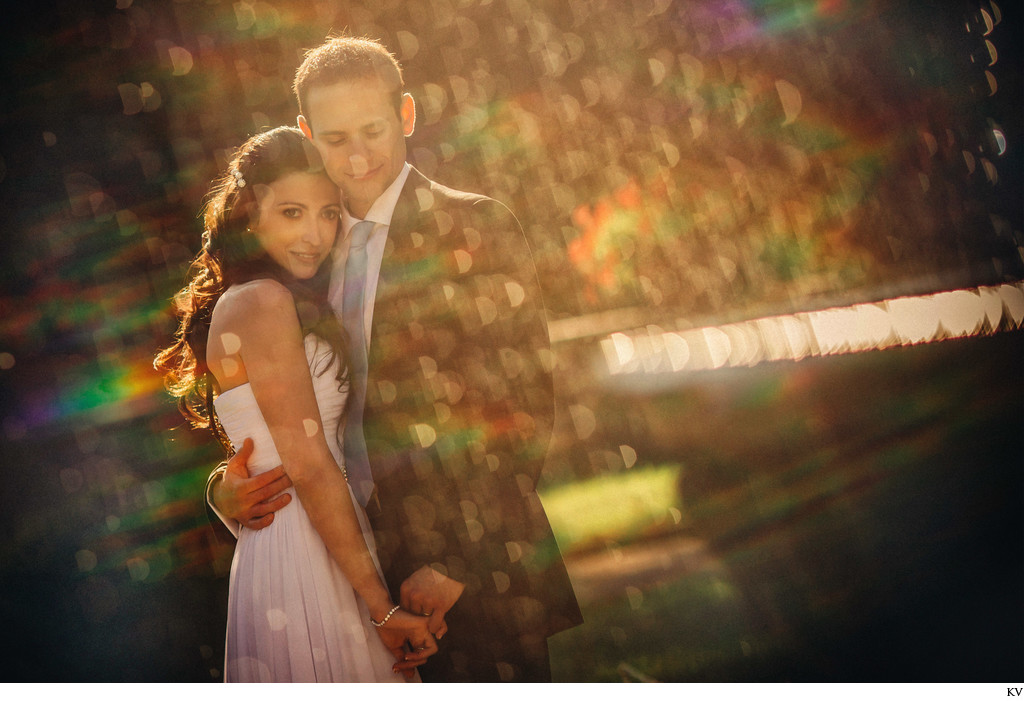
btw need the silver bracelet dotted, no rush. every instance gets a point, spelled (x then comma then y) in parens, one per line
(385, 619)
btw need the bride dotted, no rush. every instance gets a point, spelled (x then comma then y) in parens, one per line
(260, 355)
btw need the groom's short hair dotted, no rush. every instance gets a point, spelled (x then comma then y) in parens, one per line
(345, 58)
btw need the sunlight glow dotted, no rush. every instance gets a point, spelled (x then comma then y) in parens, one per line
(862, 327)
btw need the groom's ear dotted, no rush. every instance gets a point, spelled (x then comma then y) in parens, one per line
(304, 126)
(408, 115)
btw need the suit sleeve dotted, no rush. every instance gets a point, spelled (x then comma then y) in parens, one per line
(505, 541)
(518, 348)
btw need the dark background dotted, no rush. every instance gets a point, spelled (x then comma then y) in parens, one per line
(674, 164)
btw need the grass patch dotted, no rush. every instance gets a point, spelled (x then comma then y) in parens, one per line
(690, 630)
(618, 507)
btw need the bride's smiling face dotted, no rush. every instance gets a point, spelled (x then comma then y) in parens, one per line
(298, 221)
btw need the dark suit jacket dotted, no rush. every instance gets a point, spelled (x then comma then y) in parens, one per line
(459, 412)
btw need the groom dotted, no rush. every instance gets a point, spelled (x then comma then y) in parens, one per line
(458, 392)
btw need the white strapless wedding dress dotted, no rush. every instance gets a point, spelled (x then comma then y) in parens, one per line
(292, 615)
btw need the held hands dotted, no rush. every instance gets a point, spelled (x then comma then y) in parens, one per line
(401, 626)
(432, 594)
(426, 596)
(251, 501)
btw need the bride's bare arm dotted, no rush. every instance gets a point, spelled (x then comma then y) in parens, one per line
(259, 323)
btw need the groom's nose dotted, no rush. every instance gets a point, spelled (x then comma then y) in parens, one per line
(360, 164)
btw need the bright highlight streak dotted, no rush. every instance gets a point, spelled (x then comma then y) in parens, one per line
(862, 327)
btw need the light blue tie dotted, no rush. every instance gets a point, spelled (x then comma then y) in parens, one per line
(357, 465)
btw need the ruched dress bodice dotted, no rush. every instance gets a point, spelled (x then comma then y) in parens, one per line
(241, 417)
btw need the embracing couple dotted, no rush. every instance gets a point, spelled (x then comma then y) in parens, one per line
(374, 344)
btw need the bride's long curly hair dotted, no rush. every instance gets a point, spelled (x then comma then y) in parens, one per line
(230, 255)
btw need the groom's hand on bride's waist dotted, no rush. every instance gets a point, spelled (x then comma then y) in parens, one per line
(251, 501)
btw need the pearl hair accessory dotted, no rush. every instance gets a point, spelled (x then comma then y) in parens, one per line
(239, 180)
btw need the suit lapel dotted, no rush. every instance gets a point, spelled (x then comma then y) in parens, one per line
(400, 257)
(407, 210)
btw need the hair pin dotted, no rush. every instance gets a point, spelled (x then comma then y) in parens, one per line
(239, 179)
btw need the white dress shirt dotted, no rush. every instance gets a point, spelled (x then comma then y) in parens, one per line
(380, 214)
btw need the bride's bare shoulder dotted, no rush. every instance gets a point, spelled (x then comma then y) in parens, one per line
(256, 302)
